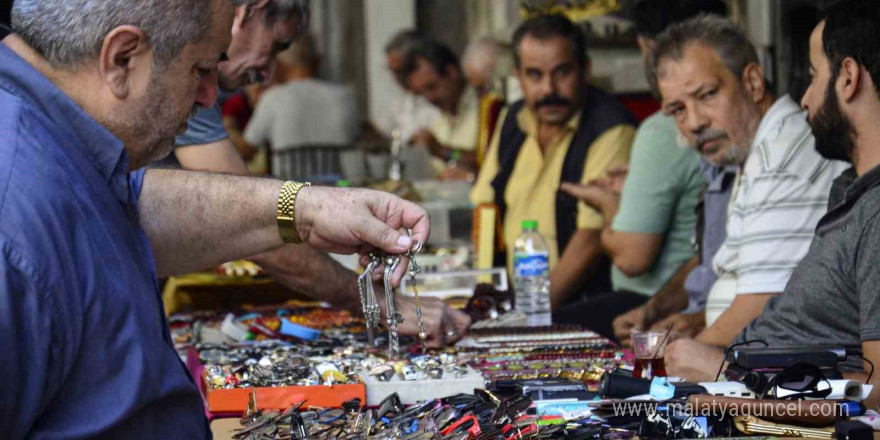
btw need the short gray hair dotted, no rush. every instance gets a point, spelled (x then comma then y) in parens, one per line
(481, 55)
(69, 32)
(717, 33)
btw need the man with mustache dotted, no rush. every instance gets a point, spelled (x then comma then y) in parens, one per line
(564, 131)
(260, 30)
(650, 218)
(714, 88)
(90, 93)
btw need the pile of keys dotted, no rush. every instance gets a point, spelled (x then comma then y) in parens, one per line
(370, 303)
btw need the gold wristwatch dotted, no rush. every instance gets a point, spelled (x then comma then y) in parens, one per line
(286, 218)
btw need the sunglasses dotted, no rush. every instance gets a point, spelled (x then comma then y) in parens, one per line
(391, 406)
(467, 424)
(515, 431)
(802, 379)
(511, 410)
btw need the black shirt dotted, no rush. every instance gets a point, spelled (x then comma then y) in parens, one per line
(833, 297)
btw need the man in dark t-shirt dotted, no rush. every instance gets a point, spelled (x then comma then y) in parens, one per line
(833, 296)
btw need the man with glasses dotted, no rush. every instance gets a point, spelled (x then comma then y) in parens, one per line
(260, 30)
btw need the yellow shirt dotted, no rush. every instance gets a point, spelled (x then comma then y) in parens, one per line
(534, 183)
(462, 130)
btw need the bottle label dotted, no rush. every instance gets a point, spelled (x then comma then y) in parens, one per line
(531, 265)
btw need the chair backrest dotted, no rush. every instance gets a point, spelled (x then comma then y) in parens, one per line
(319, 164)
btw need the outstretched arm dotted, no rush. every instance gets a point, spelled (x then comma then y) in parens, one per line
(196, 220)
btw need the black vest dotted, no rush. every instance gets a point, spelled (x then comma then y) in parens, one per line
(600, 113)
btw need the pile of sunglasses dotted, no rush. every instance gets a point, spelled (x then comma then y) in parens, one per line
(481, 415)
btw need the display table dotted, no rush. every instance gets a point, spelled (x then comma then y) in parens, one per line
(211, 291)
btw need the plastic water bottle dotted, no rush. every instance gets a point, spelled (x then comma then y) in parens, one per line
(531, 275)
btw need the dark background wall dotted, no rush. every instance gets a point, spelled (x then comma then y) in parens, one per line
(445, 20)
(5, 7)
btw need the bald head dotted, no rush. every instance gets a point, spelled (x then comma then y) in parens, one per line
(480, 62)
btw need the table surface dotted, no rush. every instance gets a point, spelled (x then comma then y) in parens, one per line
(224, 428)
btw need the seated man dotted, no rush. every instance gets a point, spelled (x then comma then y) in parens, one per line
(487, 63)
(304, 112)
(409, 113)
(712, 84)
(650, 222)
(564, 131)
(432, 71)
(831, 296)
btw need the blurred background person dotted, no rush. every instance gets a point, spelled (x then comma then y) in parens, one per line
(485, 62)
(306, 121)
(432, 70)
(409, 113)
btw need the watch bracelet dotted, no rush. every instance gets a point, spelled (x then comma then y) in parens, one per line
(287, 210)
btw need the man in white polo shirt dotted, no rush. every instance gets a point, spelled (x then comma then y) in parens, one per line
(714, 87)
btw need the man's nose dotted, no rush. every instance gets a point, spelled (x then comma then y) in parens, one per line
(697, 121)
(547, 85)
(804, 100)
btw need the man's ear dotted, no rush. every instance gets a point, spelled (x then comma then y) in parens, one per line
(754, 83)
(247, 13)
(239, 18)
(120, 51)
(588, 70)
(849, 80)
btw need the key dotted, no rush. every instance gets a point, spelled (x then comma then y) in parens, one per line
(393, 316)
(368, 299)
(413, 270)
